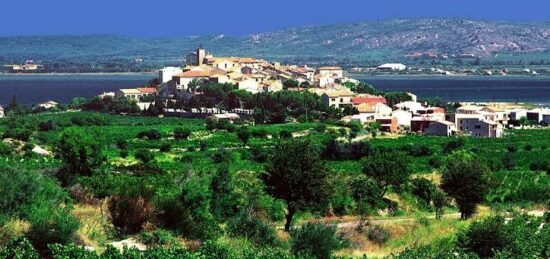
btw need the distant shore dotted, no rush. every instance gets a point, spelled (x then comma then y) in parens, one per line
(80, 74)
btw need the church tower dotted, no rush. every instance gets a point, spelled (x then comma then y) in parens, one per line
(201, 55)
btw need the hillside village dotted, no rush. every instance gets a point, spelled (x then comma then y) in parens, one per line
(334, 89)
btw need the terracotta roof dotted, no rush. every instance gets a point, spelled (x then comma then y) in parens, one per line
(370, 99)
(148, 90)
(201, 73)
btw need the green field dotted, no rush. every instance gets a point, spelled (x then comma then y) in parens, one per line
(518, 177)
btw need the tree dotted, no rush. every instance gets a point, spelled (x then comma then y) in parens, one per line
(80, 154)
(440, 201)
(464, 179)
(244, 135)
(388, 169)
(223, 198)
(299, 177)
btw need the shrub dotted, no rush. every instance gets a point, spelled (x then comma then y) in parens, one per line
(260, 133)
(123, 153)
(259, 154)
(317, 240)
(222, 156)
(244, 135)
(528, 147)
(90, 120)
(152, 134)
(539, 165)
(47, 125)
(5, 149)
(285, 134)
(19, 248)
(158, 237)
(367, 194)
(121, 143)
(485, 237)
(440, 201)
(511, 148)
(253, 229)
(165, 147)
(453, 145)
(509, 161)
(49, 226)
(417, 150)
(423, 189)
(144, 155)
(321, 128)
(181, 133)
(378, 234)
(128, 214)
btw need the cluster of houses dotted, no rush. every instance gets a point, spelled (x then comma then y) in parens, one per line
(257, 75)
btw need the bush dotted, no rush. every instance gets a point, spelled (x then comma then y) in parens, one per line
(285, 134)
(47, 126)
(152, 134)
(260, 133)
(158, 237)
(165, 147)
(321, 128)
(5, 149)
(128, 214)
(49, 226)
(253, 229)
(485, 237)
(423, 189)
(453, 145)
(222, 156)
(417, 150)
(539, 165)
(123, 153)
(144, 155)
(511, 148)
(19, 248)
(90, 120)
(181, 133)
(509, 161)
(317, 240)
(259, 154)
(378, 234)
(528, 147)
(121, 143)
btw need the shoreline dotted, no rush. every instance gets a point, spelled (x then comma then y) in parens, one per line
(81, 74)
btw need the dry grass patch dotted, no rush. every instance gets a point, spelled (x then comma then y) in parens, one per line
(95, 229)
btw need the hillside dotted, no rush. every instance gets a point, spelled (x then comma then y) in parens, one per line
(362, 42)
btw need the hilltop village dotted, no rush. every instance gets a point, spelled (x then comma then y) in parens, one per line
(177, 89)
(334, 89)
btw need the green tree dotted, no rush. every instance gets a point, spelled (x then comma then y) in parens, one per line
(244, 135)
(298, 176)
(388, 169)
(224, 204)
(464, 179)
(80, 154)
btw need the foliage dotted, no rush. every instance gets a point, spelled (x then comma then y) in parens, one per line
(297, 175)
(464, 179)
(51, 225)
(378, 234)
(181, 133)
(388, 169)
(80, 153)
(151, 134)
(254, 229)
(317, 240)
(423, 189)
(144, 155)
(19, 248)
(128, 214)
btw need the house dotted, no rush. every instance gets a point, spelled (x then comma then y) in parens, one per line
(430, 110)
(403, 117)
(440, 128)
(338, 98)
(1, 112)
(420, 123)
(167, 73)
(392, 67)
(469, 109)
(334, 72)
(517, 114)
(231, 117)
(48, 105)
(182, 80)
(377, 108)
(387, 123)
(369, 99)
(410, 106)
(136, 94)
(479, 128)
(537, 115)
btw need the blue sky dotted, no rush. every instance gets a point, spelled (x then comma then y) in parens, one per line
(234, 17)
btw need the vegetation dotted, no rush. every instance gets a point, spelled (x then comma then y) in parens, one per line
(107, 178)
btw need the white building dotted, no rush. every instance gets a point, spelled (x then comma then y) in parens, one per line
(392, 67)
(166, 74)
(403, 118)
(334, 72)
(411, 106)
(517, 114)
(1, 112)
(48, 105)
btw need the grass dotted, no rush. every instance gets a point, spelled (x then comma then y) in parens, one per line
(95, 229)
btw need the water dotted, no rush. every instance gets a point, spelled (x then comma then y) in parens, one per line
(471, 88)
(31, 89)
(62, 88)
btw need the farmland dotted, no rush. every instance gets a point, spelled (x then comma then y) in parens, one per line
(142, 158)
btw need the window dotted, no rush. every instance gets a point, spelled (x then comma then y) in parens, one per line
(341, 100)
(477, 126)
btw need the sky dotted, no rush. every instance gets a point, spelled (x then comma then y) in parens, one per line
(236, 17)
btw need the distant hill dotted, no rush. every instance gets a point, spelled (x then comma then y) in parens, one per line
(384, 40)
